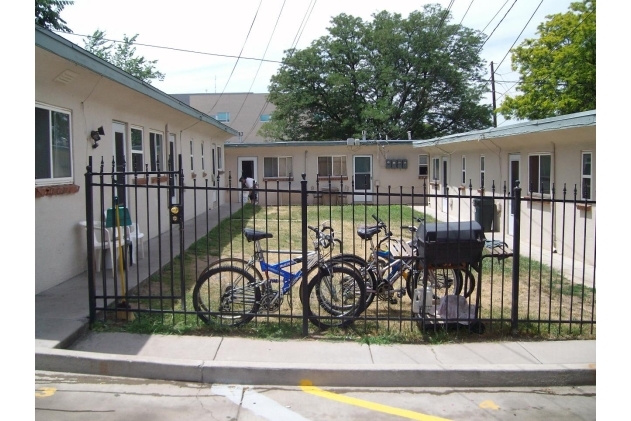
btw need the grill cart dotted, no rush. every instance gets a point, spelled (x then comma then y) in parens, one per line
(453, 245)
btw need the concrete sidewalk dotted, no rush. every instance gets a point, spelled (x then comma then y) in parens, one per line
(64, 343)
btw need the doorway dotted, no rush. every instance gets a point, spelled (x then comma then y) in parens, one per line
(362, 173)
(246, 167)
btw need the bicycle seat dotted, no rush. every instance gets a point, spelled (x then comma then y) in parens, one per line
(252, 235)
(366, 233)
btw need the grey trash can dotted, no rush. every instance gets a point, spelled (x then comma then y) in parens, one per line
(484, 212)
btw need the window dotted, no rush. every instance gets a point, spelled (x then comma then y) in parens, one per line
(277, 166)
(219, 158)
(155, 151)
(191, 145)
(214, 163)
(53, 152)
(136, 149)
(203, 166)
(224, 117)
(333, 166)
(540, 173)
(265, 117)
(435, 169)
(586, 175)
(481, 171)
(464, 170)
(423, 165)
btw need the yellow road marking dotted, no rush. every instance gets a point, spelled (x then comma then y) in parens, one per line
(488, 405)
(308, 387)
(44, 392)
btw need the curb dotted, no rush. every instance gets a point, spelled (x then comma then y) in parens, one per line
(331, 375)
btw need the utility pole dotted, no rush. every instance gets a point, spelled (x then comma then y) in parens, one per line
(493, 93)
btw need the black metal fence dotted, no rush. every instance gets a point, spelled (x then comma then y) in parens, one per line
(532, 270)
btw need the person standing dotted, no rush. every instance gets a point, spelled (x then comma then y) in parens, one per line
(249, 183)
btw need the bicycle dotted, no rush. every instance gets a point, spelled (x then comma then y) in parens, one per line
(234, 290)
(398, 261)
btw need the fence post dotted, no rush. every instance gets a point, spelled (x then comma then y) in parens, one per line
(303, 286)
(516, 240)
(89, 218)
(181, 228)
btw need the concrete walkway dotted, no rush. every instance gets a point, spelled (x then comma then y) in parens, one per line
(64, 343)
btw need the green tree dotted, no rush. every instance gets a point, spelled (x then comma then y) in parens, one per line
(557, 69)
(47, 14)
(123, 55)
(385, 77)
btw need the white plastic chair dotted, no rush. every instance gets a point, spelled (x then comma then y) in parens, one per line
(137, 239)
(101, 245)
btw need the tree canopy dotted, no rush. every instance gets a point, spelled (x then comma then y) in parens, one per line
(386, 77)
(557, 69)
(47, 14)
(123, 56)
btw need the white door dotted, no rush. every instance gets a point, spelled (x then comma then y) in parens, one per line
(362, 175)
(513, 177)
(445, 171)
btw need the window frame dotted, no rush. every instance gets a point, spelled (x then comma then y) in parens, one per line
(425, 165)
(202, 146)
(134, 151)
(51, 180)
(276, 162)
(223, 116)
(331, 166)
(436, 169)
(536, 192)
(219, 158)
(154, 154)
(589, 176)
(192, 161)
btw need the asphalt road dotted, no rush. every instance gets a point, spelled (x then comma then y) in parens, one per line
(68, 397)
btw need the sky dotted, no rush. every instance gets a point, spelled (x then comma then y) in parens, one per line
(197, 44)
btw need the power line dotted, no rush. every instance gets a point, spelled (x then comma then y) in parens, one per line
(261, 62)
(465, 13)
(177, 49)
(499, 23)
(496, 13)
(553, 49)
(301, 28)
(237, 62)
(522, 31)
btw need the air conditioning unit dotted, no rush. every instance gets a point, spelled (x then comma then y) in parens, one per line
(350, 141)
(356, 142)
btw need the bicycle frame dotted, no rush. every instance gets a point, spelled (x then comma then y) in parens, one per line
(289, 279)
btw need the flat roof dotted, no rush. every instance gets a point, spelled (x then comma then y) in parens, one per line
(586, 118)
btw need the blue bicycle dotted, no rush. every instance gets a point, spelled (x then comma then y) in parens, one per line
(233, 291)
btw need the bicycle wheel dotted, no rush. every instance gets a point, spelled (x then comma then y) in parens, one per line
(336, 296)
(365, 270)
(227, 295)
(444, 281)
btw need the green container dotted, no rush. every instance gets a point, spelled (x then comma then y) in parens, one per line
(124, 219)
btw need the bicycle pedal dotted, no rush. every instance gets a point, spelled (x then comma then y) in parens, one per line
(393, 300)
